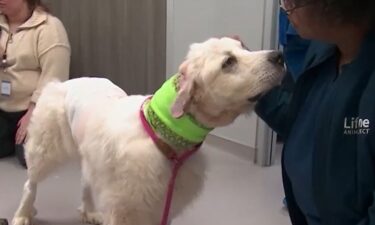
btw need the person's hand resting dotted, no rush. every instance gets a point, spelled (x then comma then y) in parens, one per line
(23, 123)
(237, 37)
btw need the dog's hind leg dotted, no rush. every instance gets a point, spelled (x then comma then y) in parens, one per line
(49, 144)
(39, 167)
(87, 209)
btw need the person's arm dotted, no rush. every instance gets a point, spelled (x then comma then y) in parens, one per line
(23, 123)
(370, 218)
(54, 58)
(273, 107)
(54, 65)
(53, 54)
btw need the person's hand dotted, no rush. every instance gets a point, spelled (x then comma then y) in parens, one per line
(23, 123)
(236, 37)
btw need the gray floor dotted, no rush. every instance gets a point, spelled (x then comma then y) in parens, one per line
(236, 192)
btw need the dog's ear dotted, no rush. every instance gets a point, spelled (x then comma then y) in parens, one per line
(185, 92)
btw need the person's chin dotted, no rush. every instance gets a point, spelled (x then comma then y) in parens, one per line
(305, 34)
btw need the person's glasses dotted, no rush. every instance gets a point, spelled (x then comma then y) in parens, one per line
(288, 6)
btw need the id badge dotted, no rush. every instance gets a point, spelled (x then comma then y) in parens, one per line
(6, 88)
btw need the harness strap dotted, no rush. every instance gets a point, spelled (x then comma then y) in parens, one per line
(176, 160)
(177, 163)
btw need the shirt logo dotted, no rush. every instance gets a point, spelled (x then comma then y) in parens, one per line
(356, 126)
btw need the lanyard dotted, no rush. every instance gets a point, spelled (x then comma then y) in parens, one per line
(4, 62)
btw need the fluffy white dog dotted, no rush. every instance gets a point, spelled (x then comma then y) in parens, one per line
(126, 170)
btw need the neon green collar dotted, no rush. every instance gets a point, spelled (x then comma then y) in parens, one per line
(183, 132)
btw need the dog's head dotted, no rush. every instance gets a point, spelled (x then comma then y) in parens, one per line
(220, 79)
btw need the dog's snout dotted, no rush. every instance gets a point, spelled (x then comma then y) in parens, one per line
(276, 57)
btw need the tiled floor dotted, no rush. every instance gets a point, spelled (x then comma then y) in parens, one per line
(237, 192)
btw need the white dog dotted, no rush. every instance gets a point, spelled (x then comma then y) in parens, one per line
(127, 170)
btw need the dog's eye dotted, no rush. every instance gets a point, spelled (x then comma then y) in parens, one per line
(229, 62)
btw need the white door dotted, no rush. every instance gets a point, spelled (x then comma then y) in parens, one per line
(190, 21)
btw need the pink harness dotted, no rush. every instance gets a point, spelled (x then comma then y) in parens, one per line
(176, 160)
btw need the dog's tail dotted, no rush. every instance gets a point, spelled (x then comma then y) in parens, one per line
(49, 140)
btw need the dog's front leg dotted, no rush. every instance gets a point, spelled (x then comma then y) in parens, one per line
(26, 210)
(87, 210)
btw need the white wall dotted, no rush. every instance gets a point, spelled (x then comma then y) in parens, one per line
(190, 21)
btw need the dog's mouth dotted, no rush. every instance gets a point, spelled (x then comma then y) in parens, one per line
(255, 98)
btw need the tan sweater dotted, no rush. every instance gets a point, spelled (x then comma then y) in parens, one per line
(37, 53)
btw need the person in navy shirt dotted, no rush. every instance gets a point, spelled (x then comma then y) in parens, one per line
(325, 114)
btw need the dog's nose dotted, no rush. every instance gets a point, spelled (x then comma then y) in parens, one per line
(276, 57)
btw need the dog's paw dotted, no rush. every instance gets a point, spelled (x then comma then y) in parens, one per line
(21, 221)
(94, 218)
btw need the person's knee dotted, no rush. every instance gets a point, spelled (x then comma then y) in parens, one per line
(6, 140)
